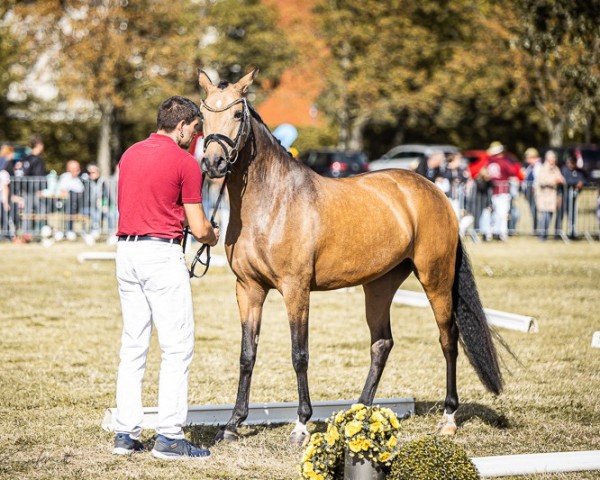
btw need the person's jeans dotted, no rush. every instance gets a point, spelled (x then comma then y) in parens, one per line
(154, 287)
(545, 220)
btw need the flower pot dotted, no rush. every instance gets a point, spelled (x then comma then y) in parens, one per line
(362, 469)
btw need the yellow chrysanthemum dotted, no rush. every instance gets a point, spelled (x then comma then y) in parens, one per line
(392, 442)
(339, 417)
(307, 468)
(352, 428)
(356, 445)
(394, 421)
(332, 435)
(376, 427)
(384, 457)
(377, 417)
(357, 407)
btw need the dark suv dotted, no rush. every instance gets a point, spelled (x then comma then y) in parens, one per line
(335, 163)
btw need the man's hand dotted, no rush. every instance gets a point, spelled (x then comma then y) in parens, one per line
(199, 225)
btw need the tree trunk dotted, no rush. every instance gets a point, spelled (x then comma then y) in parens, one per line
(104, 149)
(556, 130)
(356, 135)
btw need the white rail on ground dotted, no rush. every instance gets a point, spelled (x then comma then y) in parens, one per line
(530, 464)
(512, 321)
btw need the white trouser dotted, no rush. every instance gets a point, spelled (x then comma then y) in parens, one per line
(501, 204)
(154, 287)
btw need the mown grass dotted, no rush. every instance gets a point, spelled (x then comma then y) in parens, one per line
(60, 329)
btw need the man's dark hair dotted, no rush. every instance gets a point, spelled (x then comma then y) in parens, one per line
(35, 141)
(175, 109)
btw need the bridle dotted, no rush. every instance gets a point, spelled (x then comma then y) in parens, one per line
(231, 157)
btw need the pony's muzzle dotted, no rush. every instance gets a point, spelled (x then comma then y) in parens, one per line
(215, 166)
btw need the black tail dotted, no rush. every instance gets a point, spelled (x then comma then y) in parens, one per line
(475, 333)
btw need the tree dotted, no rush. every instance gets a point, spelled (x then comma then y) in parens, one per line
(556, 46)
(114, 58)
(390, 61)
(10, 53)
(244, 33)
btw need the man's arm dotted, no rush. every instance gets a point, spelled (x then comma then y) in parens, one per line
(200, 227)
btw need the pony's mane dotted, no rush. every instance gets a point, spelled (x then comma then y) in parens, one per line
(258, 118)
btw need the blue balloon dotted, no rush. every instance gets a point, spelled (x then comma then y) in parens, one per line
(286, 134)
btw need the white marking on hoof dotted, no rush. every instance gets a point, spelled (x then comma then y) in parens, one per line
(447, 425)
(299, 435)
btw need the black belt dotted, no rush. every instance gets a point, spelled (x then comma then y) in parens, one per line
(140, 238)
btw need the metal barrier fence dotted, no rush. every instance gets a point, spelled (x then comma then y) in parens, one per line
(40, 207)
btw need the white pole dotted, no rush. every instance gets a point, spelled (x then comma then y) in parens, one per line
(506, 465)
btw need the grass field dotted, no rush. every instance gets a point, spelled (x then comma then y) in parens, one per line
(59, 337)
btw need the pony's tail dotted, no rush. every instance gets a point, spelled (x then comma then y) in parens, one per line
(475, 334)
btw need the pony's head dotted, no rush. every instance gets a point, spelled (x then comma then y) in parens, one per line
(226, 122)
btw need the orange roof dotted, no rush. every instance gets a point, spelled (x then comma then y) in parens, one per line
(293, 100)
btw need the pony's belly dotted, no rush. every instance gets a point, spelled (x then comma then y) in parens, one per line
(341, 273)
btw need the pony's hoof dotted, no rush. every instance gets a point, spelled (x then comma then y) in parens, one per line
(299, 438)
(447, 428)
(226, 436)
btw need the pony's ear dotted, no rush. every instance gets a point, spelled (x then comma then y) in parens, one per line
(245, 82)
(204, 81)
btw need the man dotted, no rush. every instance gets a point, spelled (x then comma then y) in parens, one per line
(574, 182)
(431, 166)
(33, 164)
(159, 186)
(500, 171)
(534, 163)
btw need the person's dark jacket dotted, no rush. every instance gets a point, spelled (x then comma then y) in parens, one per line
(33, 166)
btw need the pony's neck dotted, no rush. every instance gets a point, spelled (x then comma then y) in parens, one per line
(262, 164)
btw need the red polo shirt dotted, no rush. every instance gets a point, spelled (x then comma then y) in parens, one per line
(156, 177)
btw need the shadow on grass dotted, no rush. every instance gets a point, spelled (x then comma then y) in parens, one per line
(466, 412)
(201, 435)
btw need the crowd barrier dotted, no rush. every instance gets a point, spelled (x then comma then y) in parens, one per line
(37, 207)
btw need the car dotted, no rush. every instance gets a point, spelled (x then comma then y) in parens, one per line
(335, 163)
(408, 156)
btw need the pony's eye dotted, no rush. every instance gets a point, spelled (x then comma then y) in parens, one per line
(237, 115)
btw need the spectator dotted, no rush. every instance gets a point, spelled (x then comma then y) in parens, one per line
(94, 192)
(7, 153)
(33, 164)
(547, 182)
(500, 170)
(431, 166)
(70, 188)
(533, 164)
(5, 220)
(574, 182)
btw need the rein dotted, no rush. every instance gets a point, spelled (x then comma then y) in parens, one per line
(205, 246)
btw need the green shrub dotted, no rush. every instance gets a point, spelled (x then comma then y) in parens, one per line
(432, 458)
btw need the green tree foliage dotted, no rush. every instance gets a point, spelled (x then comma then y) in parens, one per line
(241, 33)
(115, 59)
(391, 62)
(10, 51)
(556, 45)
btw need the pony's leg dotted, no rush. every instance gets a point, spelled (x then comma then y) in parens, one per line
(297, 300)
(251, 298)
(378, 300)
(438, 288)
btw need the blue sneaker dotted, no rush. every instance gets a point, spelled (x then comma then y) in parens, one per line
(179, 448)
(125, 445)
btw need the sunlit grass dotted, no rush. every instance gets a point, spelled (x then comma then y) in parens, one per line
(60, 330)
